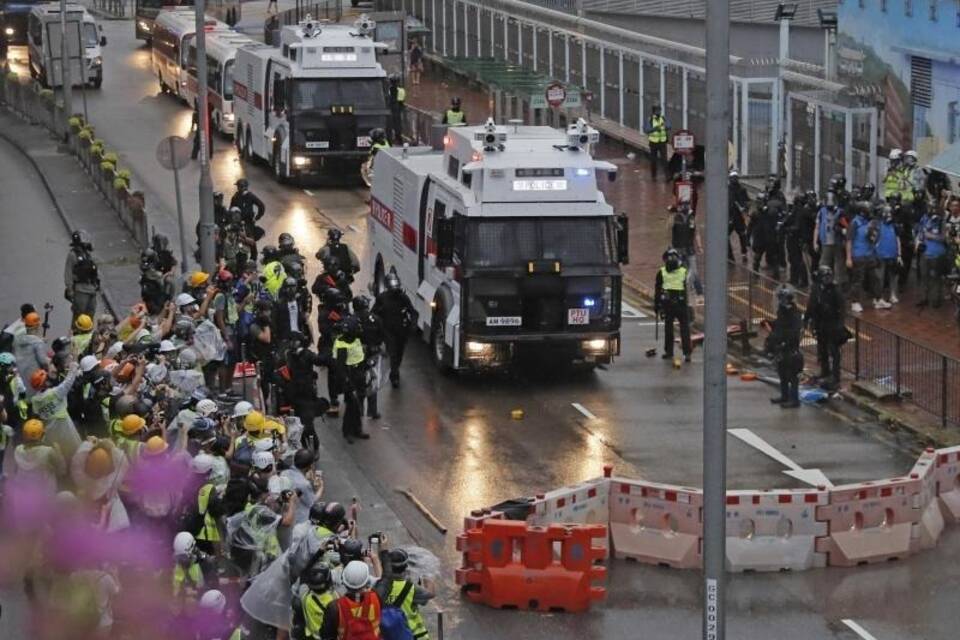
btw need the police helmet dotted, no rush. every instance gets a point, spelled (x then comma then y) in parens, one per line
(455, 102)
(81, 238)
(378, 135)
(285, 241)
(361, 304)
(392, 280)
(218, 197)
(333, 297)
(773, 182)
(399, 559)
(148, 259)
(334, 235)
(317, 577)
(350, 327)
(825, 274)
(269, 253)
(242, 184)
(786, 296)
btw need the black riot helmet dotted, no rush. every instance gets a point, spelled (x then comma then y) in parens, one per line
(269, 253)
(289, 287)
(80, 239)
(378, 135)
(392, 281)
(333, 236)
(773, 183)
(218, 198)
(242, 184)
(350, 328)
(361, 304)
(671, 257)
(825, 275)
(455, 102)
(149, 259)
(786, 296)
(285, 241)
(317, 577)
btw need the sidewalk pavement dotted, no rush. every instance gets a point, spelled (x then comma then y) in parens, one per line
(645, 203)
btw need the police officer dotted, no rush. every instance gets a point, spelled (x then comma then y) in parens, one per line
(251, 208)
(156, 289)
(378, 141)
(302, 389)
(81, 276)
(783, 344)
(792, 232)
(331, 312)
(685, 238)
(454, 115)
(764, 233)
(398, 104)
(372, 338)
(893, 180)
(739, 206)
(350, 363)
(670, 302)
(346, 259)
(397, 314)
(166, 262)
(825, 315)
(931, 246)
(658, 130)
(289, 317)
(287, 252)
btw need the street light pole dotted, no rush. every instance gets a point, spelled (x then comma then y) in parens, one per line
(207, 255)
(65, 67)
(715, 320)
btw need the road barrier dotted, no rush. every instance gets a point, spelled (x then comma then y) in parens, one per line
(774, 530)
(947, 476)
(584, 503)
(931, 522)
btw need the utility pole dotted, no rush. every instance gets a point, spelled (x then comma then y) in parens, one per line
(207, 250)
(65, 68)
(715, 321)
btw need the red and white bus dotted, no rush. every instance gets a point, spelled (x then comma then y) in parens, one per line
(173, 31)
(221, 51)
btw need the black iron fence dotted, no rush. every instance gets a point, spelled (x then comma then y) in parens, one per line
(893, 363)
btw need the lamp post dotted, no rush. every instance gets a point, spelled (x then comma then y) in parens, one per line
(207, 248)
(784, 14)
(828, 22)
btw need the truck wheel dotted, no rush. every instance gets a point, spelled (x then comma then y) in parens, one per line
(438, 346)
(238, 142)
(248, 145)
(97, 82)
(163, 85)
(278, 169)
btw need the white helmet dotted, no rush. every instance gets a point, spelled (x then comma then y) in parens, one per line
(214, 600)
(188, 358)
(202, 463)
(264, 444)
(183, 544)
(185, 299)
(356, 575)
(241, 409)
(895, 154)
(166, 346)
(278, 484)
(911, 154)
(88, 363)
(262, 460)
(206, 407)
(114, 350)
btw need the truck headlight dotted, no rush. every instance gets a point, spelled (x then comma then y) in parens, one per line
(228, 117)
(145, 26)
(477, 348)
(595, 346)
(8, 31)
(96, 61)
(300, 161)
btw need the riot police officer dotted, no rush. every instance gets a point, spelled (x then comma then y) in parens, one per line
(331, 312)
(454, 115)
(251, 209)
(825, 315)
(783, 344)
(350, 363)
(764, 234)
(397, 314)
(301, 390)
(792, 230)
(81, 277)
(156, 288)
(346, 259)
(670, 302)
(736, 223)
(372, 338)
(287, 252)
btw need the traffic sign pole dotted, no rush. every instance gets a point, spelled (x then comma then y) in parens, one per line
(183, 231)
(173, 154)
(207, 249)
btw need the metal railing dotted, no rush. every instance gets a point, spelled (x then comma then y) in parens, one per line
(892, 362)
(118, 8)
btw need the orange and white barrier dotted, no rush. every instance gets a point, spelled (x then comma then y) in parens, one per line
(948, 483)
(927, 531)
(774, 530)
(656, 523)
(584, 503)
(870, 521)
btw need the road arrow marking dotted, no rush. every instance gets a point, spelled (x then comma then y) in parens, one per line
(857, 629)
(813, 477)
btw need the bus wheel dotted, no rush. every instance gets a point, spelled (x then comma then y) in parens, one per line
(248, 145)
(278, 168)
(163, 85)
(438, 346)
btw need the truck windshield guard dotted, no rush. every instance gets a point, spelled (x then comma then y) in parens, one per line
(512, 242)
(362, 94)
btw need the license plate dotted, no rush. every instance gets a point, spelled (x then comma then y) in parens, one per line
(319, 144)
(578, 316)
(363, 141)
(504, 321)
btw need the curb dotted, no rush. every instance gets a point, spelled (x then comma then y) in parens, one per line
(107, 297)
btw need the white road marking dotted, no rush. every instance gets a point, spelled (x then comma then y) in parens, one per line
(582, 409)
(813, 477)
(857, 629)
(308, 192)
(353, 228)
(629, 311)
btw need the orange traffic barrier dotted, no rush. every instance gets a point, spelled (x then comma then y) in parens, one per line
(514, 566)
(931, 524)
(656, 523)
(584, 503)
(870, 521)
(948, 482)
(775, 530)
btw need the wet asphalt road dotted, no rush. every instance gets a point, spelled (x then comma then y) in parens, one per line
(451, 440)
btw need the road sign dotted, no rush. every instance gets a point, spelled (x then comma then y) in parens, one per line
(173, 152)
(683, 142)
(556, 94)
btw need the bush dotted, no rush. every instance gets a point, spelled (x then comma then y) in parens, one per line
(86, 133)
(75, 122)
(96, 149)
(46, 95)
(111, 157)
(107, 166)
(120, 183)
(124, 173)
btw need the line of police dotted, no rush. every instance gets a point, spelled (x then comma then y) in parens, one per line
(134, 426)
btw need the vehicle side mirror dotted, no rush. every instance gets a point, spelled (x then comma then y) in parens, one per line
(623, 239)
(103, 41)
(445, 242)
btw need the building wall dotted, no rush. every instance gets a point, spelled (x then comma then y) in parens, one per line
(909, 51)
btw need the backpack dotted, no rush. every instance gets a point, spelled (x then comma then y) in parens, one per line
(357, 628)
(393, 622)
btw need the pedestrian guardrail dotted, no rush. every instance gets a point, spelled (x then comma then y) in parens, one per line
(115, 8)
(891, 362)
(38, 106)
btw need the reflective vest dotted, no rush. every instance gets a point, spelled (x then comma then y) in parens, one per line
(322, 532)
(906, 185)
(274, 274)
(354, 351)
(191, 574)
(130, 447)
(23, 409)
(410, 611)
(455, 117)
(209, 532)
(891, 184)
(401, 95)
(80, 343)
(368, 608)
(658, 130)
(314, 607)
(675, 280)
(380, 145)
(47, 406)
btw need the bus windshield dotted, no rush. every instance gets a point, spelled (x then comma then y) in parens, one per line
(362, 94)
(90, 36)
(511, 242)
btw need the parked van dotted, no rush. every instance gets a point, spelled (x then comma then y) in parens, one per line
(84, 43)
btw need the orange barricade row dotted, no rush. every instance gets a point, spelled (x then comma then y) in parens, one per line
(656, 523)
(927, 531)
(774, 530)
(870, 521)
(514, 565)
(948, 482)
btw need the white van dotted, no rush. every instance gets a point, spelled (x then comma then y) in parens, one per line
(84, 44)
(173, 31)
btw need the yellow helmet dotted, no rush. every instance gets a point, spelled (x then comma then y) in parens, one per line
(273, 425)
(99, 463)
(33, 430)
(155, 446)
(131, 424)
(83, 323)
(254, 422)
(198, 278)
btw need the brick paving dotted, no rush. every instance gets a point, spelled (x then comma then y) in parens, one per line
(645, 203)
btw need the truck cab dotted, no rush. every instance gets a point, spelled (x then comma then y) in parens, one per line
(504, 243)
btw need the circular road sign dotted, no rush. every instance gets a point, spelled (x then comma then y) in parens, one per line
(173, 152)
(556, 94)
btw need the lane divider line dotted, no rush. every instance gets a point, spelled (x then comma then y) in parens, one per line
(308, 192)
(582, 409)
(857, 629)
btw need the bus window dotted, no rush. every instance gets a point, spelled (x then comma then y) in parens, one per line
(187, 54)
(228, 80)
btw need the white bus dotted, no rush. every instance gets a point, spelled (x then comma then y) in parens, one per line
(221, 50)
(173, 31)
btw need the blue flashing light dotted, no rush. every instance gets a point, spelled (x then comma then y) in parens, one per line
(589, 302)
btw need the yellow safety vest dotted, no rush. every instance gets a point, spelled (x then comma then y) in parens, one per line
(130, 447)
(381, 145)
(410, 611)
(891, 183)
(49, 406)
(274, 277)
(906, 185)
(314, 609)
(455, 117)
(191, 574)
(401, 95)
(22, 407)
(675, 280)
(209, 532)
(80, 343)
(658, 129)
(354, 351)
